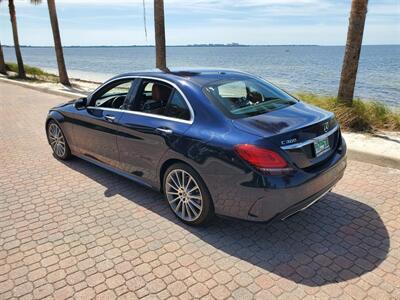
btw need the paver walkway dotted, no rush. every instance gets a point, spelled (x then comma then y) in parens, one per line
(74, 230)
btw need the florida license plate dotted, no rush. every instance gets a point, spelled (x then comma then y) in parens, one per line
(321, 146)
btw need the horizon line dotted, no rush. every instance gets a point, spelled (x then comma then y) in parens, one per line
(229, 45)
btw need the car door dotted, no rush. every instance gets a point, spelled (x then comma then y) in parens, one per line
(96, 126)
(159, 116)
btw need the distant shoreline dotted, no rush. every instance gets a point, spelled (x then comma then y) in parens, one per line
(234, 45)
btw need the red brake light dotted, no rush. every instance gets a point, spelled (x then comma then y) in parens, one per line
(260, 157)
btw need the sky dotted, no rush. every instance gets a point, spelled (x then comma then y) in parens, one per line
(267, 22)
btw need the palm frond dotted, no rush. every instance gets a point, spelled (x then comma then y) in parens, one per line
(36, 2)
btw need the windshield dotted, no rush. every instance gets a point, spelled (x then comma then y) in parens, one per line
(247, 97)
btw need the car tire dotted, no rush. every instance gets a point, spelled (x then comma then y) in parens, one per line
(57, 141)
(187, 195)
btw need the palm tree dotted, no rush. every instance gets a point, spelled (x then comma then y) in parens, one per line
(160, 34)
(353, 49)
(13, 18)
(62, 70)
(3, 69)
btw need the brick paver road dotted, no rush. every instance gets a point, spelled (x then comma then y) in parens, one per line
(74, 230)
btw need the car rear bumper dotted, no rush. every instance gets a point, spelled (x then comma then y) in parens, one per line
(281, 203)
(261, 198)
(302, 205)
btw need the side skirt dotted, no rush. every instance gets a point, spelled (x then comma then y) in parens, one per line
(114, 170)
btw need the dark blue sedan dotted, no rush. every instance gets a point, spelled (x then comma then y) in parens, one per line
(213, 141)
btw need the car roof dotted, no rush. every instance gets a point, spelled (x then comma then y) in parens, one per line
(200, 77)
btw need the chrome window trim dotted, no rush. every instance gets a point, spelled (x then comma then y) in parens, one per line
(190, 121)
(310, 141)
(139, 113)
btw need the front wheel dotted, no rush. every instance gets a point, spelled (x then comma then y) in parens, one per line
(57, 141)
(187, 195)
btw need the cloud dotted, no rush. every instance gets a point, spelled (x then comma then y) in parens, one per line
(200, 21)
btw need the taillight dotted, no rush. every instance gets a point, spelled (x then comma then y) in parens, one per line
(263, 159)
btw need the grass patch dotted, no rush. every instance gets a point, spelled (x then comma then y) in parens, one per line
(32, 72)
(366, 116)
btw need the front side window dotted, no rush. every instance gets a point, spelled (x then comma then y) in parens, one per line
(112, 95)
(160, 98)
(247, 97)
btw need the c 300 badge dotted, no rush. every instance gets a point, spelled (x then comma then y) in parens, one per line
(290, 141)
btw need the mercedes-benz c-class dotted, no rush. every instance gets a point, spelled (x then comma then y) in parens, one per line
(212, 141)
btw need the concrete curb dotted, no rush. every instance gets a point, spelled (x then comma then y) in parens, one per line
(372, 158)
(43, 89)
(353, 153)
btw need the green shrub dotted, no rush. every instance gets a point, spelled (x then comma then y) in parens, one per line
(361, 116)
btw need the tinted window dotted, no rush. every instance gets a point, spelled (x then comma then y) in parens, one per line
(160, 98)
(177, 108)
(153, 97)
(247, 97)
(112, 95)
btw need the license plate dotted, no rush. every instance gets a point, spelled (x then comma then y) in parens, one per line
(321, 146)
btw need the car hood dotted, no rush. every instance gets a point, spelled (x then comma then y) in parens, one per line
(284, 120)
(64, 104)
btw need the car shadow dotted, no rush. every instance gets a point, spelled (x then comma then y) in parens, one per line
(335, 240)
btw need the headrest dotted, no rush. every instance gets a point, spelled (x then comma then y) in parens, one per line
(160, 92)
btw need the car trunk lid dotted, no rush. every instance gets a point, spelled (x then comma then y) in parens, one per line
(307, 134)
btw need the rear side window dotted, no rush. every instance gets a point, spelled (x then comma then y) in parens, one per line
(177, 107)
(247, 97)
(159, 98)
(153, 97)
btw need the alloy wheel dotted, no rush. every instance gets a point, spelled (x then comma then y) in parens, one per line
(184, 195)
(57, 140)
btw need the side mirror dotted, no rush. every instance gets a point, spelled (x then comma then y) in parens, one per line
(80, 103)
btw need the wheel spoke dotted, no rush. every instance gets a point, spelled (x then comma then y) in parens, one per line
(176, 185)
(191, 208)
(189, 181)
(172, 193)
(193, 189)
(177, 178)
(178, 206)
(183, 209)
(174, 200)
(183, 179)
(189, 211)
(192, 202)
(172, 186)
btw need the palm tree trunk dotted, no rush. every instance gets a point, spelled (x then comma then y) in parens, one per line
(352, 53)
(62, 70)
(21, 69)
(160, 34)
(3, 69)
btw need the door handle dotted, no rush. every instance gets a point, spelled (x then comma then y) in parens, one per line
(164, 130)
(109, 118)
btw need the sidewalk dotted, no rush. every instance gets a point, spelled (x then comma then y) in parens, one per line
(382, 149)
(71, 230)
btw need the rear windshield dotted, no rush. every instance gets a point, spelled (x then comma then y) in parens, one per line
(247, 97)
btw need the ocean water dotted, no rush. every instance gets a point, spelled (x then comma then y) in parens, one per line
(295, 68)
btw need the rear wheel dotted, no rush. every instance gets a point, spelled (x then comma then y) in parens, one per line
(57, 141)
(187, 195)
